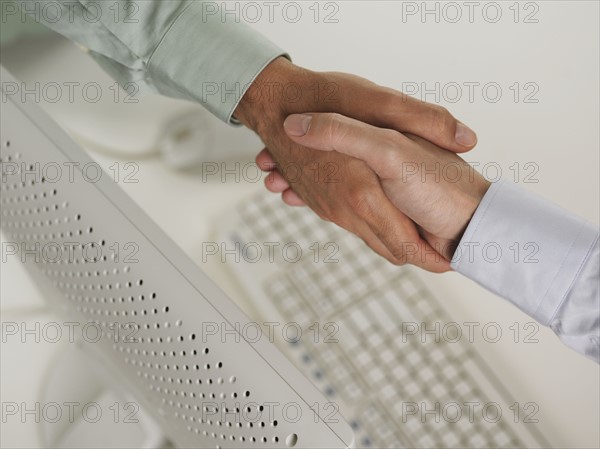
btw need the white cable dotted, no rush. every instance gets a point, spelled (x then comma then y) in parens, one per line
(118, 153)
(42, 391)
(24, 312)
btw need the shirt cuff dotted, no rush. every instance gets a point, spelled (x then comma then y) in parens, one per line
(525, 249)
(210, 60)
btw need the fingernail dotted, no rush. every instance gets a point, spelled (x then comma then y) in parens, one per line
(297, 124)
(465, 135)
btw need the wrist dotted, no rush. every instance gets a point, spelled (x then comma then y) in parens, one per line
(470, 203)
(264, 101)
(282, 88)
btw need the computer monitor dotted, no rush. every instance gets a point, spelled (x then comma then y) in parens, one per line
(203, 370)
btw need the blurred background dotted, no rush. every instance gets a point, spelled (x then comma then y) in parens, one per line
(526, 81)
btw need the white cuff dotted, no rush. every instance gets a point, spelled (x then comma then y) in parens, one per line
(525, 249)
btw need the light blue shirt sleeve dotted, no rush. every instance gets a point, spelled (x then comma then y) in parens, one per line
(195, 50)
(539, 257)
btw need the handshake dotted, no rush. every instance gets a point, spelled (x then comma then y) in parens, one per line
(382, 165)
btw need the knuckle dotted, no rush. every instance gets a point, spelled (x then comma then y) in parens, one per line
(391, 102)
(323, 216)
(392, 159)
(335, 131)
(440, 119)
(398, 256)
(399, 262)
(390, 134)
(361, 200)
(331, 213)
(390, 154)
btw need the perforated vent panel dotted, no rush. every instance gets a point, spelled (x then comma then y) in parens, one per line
(167, 331)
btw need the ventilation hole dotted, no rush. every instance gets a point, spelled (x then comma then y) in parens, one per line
(291, 440)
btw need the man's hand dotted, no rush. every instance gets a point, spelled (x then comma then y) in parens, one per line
(339, 188)
(433, 187)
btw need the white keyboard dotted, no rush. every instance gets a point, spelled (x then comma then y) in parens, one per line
(383, 379)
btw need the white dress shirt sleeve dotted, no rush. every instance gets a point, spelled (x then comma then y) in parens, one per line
(543, 259)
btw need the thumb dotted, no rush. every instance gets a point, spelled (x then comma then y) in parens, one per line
(380, 148)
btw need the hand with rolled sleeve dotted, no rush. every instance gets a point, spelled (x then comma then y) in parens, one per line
(458, 214)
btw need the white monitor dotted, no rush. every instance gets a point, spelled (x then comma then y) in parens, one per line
(169, 334)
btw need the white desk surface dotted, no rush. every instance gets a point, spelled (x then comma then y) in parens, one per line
(560, 133)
